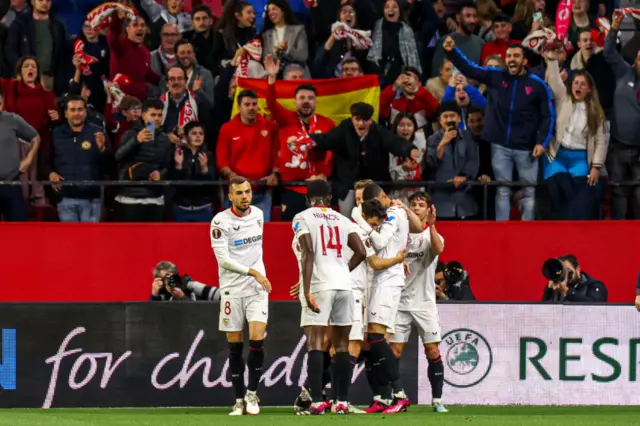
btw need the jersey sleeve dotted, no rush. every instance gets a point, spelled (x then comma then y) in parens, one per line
(300, 226)
(386, 231)
(220, 244)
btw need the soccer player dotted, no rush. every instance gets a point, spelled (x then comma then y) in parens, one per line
(418, 297)
(326, 281)
(386, 287)
(236, 238)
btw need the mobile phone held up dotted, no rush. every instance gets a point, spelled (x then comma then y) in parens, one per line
(151, 127)
(537, 16)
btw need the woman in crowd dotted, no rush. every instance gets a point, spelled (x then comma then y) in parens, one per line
(528, 17)
(193, 162)
(487, 10)
(579, 150)
(405, 126)
(25, 96)
(329, 57)
(437, 85)
(284, 37)
(235, 29)
(394, 45)
(492, 61)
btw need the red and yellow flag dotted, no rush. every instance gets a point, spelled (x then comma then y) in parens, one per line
(334, 98)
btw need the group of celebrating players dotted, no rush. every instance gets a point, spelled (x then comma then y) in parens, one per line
(363, 283)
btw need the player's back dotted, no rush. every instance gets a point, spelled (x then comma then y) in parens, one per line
(396, 222)
(329, 232)
(242, 238)
(419, 291)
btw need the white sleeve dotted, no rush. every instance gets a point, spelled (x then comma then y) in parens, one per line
(381, 238)
(368, 247)
(220, 244)
(300, 226)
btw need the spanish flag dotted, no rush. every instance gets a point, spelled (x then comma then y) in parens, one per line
(334, 95)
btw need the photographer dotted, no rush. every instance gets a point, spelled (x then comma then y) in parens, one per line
(452, 282)
(169, 285)
(568, 283)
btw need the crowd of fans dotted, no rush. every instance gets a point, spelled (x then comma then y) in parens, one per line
(470, 93)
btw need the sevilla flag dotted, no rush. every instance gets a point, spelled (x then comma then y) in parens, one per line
(563, 18)
(334, 95)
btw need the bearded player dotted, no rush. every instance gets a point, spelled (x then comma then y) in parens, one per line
(418, 298)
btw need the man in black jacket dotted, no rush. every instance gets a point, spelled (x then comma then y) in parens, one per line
(41, 35)
(360, 150)
(144, 154)
(577, 286)
(79, 153)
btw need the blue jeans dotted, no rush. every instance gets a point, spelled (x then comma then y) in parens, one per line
(79, 210)
(262, 201)
(503, 160)
(181, 214)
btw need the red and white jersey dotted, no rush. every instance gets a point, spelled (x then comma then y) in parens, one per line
(419, 292)
(361, 275)
(329, 231)
(238, 240)
(394, 230)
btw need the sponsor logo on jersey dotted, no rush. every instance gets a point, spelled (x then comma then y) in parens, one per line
(468, 357)
(216, 234)
(390, 218)
(248, 240)
(417, 255)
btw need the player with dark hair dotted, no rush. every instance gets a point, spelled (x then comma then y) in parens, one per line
(236, 238)
(326, 282)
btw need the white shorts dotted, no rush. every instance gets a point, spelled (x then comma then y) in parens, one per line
(383, 305)
(359, 326)
(234, 311)
(336, 308)
(427, 322)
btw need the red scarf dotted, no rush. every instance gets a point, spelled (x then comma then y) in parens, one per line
(87, 60)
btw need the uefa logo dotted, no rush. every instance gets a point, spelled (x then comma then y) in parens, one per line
(468, 357)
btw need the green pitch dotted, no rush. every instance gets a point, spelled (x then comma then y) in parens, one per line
(459, 415)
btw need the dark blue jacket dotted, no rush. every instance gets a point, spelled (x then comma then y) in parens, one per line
(521, 114)
(76, 157)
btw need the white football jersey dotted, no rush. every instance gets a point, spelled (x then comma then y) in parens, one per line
(396, 228)
(329, 231)
(360, 276)
(238, 239)
(419, 292)
(295, 246)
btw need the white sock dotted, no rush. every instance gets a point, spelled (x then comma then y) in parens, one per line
(437, 401)
(377, 398)
(250, 392)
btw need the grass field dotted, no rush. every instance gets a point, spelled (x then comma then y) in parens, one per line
(459, 415)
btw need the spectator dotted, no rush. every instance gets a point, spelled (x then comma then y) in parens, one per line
(144, 154)
(591, 58)
(502, 32)
(187, 59)
(248, 147)
(159, 15)
(181, 105)
(165, 55)
(79, 153)
(95, 45)
(579, 150)
(193, 162)
(13, 130)
(561, 55)
(407, 168)
(492, 61)
(25, 96)
(296, 165)
(488, 15)
(202, 36)
(40, 35)
(519, 122)
(284, 37)
(468, 43)
(130, 57)
(350, 67)
(475, 125)
(580, 21)
(394, 45)
(577, 285)
(452, 156)
(437, 85)
(18, 7)
(360, 150)
(292, 72)
(120, 120)
(406, 94)
(330, 56)
(624, 148)
(235, 29)
(462, 93)
(529, 16)
(78, 88)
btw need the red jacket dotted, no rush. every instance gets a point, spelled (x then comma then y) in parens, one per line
(423, 105)
(292, 166)
(495, 47)
(248, 150)
(132, 60)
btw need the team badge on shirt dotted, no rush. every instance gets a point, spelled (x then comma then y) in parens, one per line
(86, 145)
(260, 224)
(367, 243)
(216, 234)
